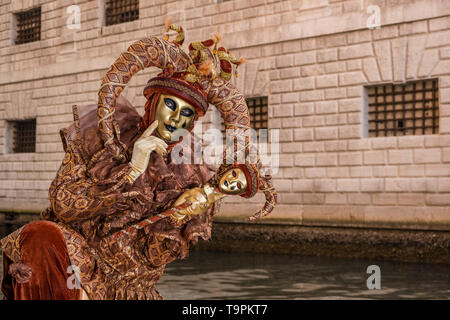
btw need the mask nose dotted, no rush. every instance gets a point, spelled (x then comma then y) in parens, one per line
(175, 116)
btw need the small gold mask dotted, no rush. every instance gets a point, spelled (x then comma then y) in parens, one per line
(172, 114)
(233, 182)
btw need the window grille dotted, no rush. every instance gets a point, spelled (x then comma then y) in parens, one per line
(258, 112)
(28, 26)
(23, 136)
(403, 109)
(257, 108)
(120, 11)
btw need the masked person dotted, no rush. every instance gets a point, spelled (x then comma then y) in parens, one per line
(117, 171)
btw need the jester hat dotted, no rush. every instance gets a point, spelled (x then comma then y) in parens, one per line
(200, 77)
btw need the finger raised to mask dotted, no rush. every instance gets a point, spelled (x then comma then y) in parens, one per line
(150, 129)
(160, 151)
(160, 141)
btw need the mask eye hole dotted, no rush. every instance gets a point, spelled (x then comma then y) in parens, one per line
(187, 112)
(233, 173)
(170, 104)
(239, 186)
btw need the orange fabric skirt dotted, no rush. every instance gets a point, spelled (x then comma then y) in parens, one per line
(44, 251)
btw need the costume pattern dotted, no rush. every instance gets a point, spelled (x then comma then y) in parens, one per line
(91, 196)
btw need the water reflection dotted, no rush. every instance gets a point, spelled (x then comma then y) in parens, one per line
(209, 275)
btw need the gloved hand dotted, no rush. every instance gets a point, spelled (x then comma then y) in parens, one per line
(142, 149)
(201, 200)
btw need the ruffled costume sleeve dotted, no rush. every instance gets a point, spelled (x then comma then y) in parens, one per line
(89, 181)
(75, 196)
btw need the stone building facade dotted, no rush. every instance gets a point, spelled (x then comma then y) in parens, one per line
(315, 60)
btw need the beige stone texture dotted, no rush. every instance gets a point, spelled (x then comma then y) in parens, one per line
(311, 58)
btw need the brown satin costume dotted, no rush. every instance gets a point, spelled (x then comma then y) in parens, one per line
(91, 197)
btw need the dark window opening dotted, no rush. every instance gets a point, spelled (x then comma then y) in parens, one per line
(411, 108)
(120, 11)
(28, 26)
(23, 136)
(258, 110)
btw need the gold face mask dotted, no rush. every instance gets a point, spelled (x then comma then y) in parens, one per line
(233, 182)
(172, 114)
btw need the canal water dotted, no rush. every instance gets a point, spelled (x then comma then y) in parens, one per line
(216, 275)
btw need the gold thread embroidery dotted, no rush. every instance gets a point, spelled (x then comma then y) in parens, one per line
(177, 86)
(112, 84)
(141, 64)
(230, 97)
(106, 117)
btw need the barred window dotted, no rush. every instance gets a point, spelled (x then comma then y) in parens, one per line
(28, 26)
(120, 11)
(257, 108)
(22, 136)
(411, 108)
